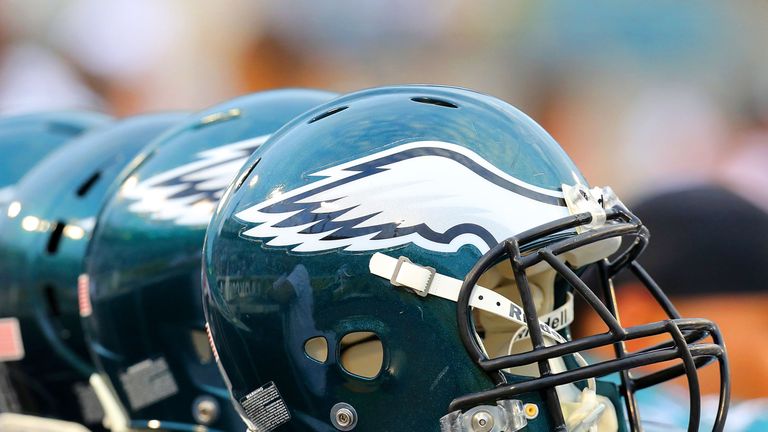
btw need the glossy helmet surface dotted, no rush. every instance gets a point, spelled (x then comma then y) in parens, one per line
(341, 288)
(27, 138)
(42, 247)
(145, 319)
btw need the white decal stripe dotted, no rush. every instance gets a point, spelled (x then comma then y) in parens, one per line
(187, 194)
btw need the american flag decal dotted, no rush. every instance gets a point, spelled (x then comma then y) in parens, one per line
(11, 346)
(83, 298)
(210, 341)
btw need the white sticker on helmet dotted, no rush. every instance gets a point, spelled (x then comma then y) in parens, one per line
(265, 408)
(148, 382)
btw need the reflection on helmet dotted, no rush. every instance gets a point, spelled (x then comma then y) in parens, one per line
(42, 245)
(438, 235)
(141, 293)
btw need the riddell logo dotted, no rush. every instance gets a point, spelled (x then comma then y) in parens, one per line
(83, 296)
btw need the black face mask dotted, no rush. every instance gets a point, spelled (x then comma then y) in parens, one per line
(686, 336)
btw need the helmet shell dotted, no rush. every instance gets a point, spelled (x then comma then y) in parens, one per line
(144, 261)
(25, 139)
(42, 247)
(287, 256)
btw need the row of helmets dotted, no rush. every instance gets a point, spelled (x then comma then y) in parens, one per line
(100, 238)
(395, 259)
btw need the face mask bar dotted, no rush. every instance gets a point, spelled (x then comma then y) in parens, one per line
(686, 334)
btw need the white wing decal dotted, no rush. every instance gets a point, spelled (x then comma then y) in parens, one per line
(436, 195)
(189, 193)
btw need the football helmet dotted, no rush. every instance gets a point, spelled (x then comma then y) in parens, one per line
(406, 258)
(42, 246)
(25, 139)
(141, 304)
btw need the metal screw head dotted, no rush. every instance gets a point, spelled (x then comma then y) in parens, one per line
(343, 416)
(482, 421)
(205, 410)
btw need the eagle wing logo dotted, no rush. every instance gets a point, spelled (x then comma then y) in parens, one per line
(436, 195)
(188, 194)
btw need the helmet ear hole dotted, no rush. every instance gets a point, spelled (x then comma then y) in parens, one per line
(361, 354)
(317, 349)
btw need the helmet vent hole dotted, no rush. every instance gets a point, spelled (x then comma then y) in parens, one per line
(53, 241)
(434, 101)
(328, 113)
(245, 175)
(52, 300)
(317, 349)
(361, 354)
(88, 184)
(65, 128)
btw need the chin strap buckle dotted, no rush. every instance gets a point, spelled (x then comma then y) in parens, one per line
(505, 416)
(413, 276)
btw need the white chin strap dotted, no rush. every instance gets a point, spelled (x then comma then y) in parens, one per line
(587, 413)
(425, 281)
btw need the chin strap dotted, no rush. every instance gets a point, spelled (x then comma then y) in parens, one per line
(115, 417)
(424, 281)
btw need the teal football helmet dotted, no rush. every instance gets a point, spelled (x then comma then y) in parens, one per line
(406, 258)
(42, 247)
(143, 314)
(25, 139)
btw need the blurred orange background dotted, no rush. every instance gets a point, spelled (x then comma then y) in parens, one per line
(642, 95)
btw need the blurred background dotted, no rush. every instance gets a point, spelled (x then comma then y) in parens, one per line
(641, 95)
(649, 97)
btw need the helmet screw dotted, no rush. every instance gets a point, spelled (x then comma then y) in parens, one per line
(343, 416)
(482, 421)
(205, 410)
